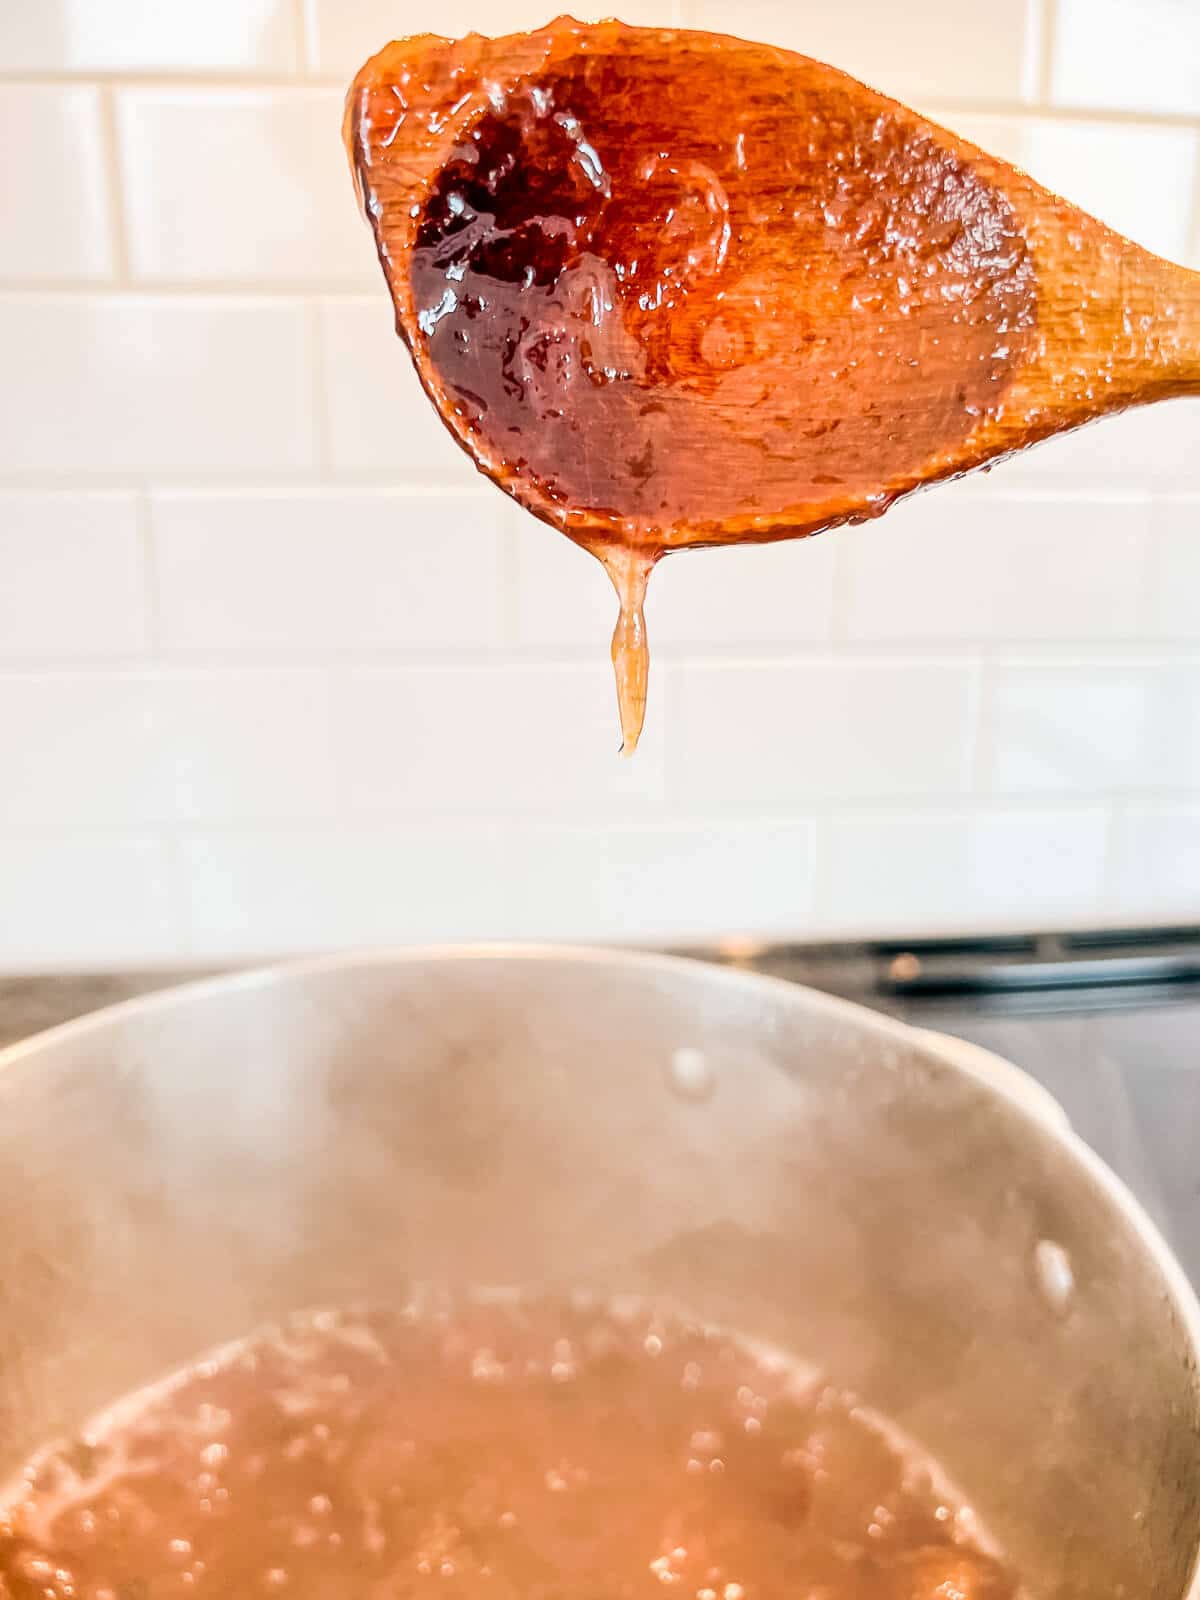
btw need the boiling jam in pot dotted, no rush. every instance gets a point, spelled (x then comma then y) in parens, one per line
(493, 1449)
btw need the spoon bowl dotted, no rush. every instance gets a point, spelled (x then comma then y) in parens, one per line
(671, 288)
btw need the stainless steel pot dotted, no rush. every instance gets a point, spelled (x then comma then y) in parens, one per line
(175, 1170)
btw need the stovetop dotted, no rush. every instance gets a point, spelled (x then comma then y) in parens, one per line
(1108, 1021)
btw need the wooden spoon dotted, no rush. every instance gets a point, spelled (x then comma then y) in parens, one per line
(670, 288)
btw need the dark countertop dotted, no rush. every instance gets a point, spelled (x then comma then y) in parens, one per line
(28, 1005)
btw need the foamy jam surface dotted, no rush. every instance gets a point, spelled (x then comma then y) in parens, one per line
(494, 1448)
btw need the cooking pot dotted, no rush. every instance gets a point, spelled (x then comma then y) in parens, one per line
(177, 1170)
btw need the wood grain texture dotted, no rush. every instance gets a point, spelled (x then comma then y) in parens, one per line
(670, 288)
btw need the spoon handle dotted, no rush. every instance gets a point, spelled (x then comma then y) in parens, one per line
(1153, 318)
(1117, 327)
(1154, 327)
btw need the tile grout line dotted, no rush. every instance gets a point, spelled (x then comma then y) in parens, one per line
(1042, 110)
(217, 481)
(302, 82)
(227, 288)
(306, 39)
(115, 185)
(1061, 494)
(1033, 52)
(1193, 234)
(402, 660)
(659, 816)
(176, 78)
(1157, 658)
(1047, 19)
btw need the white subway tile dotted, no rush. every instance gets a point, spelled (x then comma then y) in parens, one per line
(961, 873)
(84, 902)
(972, 563)
(564, 598)
(379, 419)
(71, 575)
(1128, 55)
(486, 798)
(1151, 447)
(1156, 864)
(54, 205)
(1129, 175)
(83, 751)
(253, 893)
(763, 736)
(240, 184)
(329, 570)
(1175, 570)
(763, 595)
(142, 35)
(1078, 727)
(248, 746)
(1091, 727)
(1005, 136)
(137, 384)
(272, 893)
(539, 741)
(344, 33)
(915, 52)
(1172, 759)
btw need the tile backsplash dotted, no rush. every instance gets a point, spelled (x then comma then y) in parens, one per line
(278, 671)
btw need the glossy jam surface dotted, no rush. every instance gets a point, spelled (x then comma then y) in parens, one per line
(670, 293)
(670, 288)
(517, 1452)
